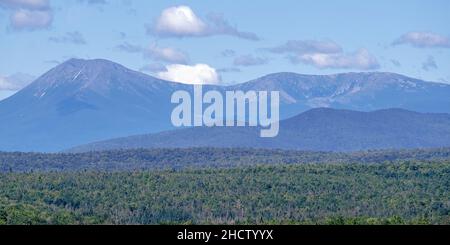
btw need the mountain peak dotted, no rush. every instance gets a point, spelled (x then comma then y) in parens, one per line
(91, 66)
(91, 62)
(79, 74)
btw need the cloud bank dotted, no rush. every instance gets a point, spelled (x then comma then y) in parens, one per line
(326, 55)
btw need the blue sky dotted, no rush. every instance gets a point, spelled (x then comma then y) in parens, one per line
(225, 42)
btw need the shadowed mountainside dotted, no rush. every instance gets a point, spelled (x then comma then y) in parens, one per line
(317, 129)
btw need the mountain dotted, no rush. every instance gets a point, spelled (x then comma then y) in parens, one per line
(321, 129)
(365, 91)
(82, 101)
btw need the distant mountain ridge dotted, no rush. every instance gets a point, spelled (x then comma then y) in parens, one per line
(82, 101)
(320, 129)
(365, 91)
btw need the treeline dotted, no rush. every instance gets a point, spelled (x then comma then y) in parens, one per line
(151, 159)
(408, 192)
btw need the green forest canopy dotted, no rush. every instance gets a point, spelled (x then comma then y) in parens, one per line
(386, 193)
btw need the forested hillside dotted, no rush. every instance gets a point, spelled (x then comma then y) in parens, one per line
(321, 129)
(401, 193)
(140, 159)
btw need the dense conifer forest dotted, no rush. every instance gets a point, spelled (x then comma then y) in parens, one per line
(384, 187)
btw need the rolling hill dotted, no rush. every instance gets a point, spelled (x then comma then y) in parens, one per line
(321, 129)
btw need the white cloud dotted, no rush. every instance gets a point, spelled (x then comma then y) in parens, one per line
(31, 19)
(157, 53)
(360, 59)
(196, 74)
(326, 54)
(181, 21)
(15, 82)
(166, 54)
(423, 40)
(29, 14)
